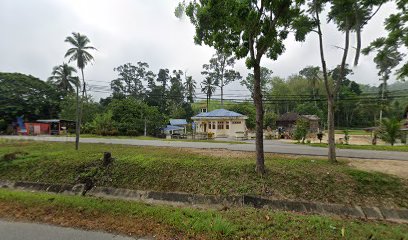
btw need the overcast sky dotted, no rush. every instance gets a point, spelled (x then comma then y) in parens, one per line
(33, 33)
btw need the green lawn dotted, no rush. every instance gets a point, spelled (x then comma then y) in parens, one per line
(167, 222)
(199, 171)
(353, 132)
(152, 138)
(398, 148)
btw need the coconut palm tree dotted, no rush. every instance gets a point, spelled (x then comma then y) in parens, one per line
(79, 53)
(190, 86)
(63, 79)
(208, 87)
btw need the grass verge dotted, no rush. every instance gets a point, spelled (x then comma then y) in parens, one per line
(398, 148)
(166, 222)
(152, 138)
(202, 172)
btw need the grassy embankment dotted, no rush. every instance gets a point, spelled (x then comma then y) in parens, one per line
(165, 222)
(215, 172)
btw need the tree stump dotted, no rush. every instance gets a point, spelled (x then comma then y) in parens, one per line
(107, 159)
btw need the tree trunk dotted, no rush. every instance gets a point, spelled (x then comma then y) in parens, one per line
(78, 128)
(77, 118)
(330, 97)
(382, 98)
(330, 129)
(358, 46)
(260, 161)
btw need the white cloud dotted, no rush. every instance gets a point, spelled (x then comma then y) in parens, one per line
(134, 30)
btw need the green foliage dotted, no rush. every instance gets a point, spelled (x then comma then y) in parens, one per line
(131, 78)
(346, 136)
(130, 114)
(63, 80)
(221, 71)
(103, 124)
(79, 50)
(390, 130)
(266, 78)
(270, 120)
(247, 109)
(301, 130)
(89, 111)
(26, 95)
(390, 49)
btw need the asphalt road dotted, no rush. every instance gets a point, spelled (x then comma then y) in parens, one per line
(34, 231)
(271, 146)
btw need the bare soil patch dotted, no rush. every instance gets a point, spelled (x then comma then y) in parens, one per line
(397, 168)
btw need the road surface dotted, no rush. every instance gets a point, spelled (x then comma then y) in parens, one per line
(34, 231)
(271, 146)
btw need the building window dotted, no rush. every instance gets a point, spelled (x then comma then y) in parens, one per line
(220, 125)
(227, 125)
(203, 110)
(236, 122)
(209, 125)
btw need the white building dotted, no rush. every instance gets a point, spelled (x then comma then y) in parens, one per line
(221, 122)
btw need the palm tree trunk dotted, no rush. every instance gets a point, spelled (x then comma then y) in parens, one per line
(79, 116)
(77, 127)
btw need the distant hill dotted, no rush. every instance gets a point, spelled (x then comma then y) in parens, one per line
(392, 87)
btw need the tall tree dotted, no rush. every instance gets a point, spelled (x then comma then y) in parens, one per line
(387, 58)
(163, 77)
(251, 29)
(26, 95)
(266, 78)
(220, 68)
(208, 87)
(176, 91)
(312, 75)
(341, 13)
(79, 53)
(190, 86)
(62, 78)
(131, 78)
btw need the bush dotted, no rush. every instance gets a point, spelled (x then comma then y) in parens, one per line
(320, 136)
(346, 136)
(301, 130)
(390, 130)
(132, 133)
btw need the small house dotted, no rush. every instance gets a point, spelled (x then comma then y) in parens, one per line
(177, 126)
(46, 126)
(220, 122)
(287, 121)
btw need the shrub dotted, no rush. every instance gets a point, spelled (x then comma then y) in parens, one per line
(346, 136)
(320, 136)
(301, 130)
(132, 132)
(390, 130)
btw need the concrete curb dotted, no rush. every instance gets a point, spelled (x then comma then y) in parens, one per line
(175, 198)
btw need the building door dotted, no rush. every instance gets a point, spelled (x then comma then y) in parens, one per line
(205, 127)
